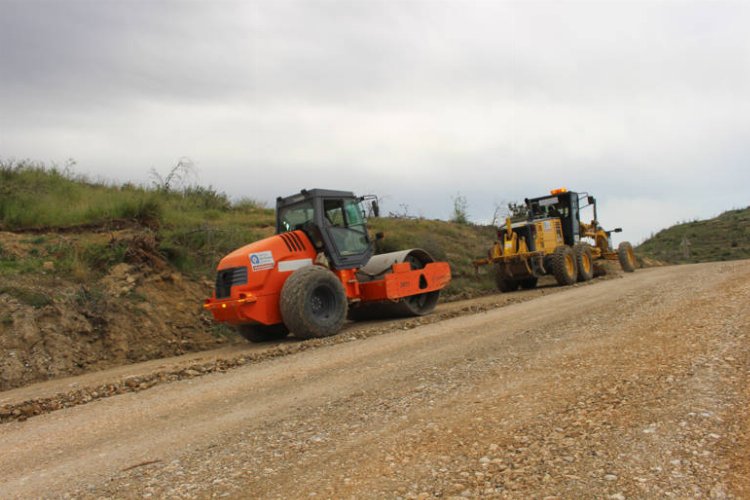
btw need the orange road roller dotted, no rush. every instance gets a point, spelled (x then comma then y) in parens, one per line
(318, 269)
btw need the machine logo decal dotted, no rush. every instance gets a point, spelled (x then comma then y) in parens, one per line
(261, 261)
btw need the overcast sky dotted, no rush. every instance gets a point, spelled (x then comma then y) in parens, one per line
(644, 104)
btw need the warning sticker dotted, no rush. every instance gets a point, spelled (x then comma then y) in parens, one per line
(261, 261)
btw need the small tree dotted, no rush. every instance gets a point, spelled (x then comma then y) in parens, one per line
(517, 209)
(460, 209)
(176, 177)
(504, 209)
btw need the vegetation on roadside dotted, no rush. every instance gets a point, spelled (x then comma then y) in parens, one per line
(726, 237)
(70, 226)
(192, 226)
(34, 196)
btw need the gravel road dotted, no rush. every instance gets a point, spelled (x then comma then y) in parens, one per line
(631, 387)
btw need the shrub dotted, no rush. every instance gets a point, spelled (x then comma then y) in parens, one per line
(248, 204)
(147, 211)
(100, 257)
(460, 209)
(206, 198)
(30, 297)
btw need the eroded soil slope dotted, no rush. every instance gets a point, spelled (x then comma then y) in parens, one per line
(52, 324)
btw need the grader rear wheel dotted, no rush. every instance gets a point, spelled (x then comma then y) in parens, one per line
(564, 266)
(585, 261)
(626, 256)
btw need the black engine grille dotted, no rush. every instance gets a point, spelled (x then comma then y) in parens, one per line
(227, 278)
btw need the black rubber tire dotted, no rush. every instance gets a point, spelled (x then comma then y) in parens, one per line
(626, 256)
(263, 333)
(313, 303)
(584, 261)
(504, 282)
(564, 266)
(529, 283)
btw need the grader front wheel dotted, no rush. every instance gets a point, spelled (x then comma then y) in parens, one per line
(564, 266)
(585, 261)
(504, 282)
(529, 283)
(626, 256)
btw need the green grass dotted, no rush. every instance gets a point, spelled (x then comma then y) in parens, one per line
(726, 237)
(34, 196)
(192, 228)
(195, 226)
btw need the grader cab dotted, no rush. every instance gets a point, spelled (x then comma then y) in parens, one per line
(551, 239)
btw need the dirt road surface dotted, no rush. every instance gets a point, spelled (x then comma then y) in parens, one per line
(632, 387)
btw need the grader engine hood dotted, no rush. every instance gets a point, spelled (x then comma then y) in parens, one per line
(249, 280)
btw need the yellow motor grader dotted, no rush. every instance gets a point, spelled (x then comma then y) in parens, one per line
(549, 239)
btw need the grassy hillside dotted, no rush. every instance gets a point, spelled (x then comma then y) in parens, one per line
(190, 228)
(70, 225)
(726, 237)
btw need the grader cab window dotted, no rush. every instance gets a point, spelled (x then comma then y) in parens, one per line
(550, 207)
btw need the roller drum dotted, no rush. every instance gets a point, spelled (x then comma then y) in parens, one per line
(376, 269)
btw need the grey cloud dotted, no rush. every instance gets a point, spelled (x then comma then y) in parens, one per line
(414, 100)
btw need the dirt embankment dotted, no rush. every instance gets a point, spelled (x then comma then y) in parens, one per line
(53, 326)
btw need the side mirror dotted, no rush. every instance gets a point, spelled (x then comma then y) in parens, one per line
(379, 235)
(591, 200)
(617, 230)
(375, 208)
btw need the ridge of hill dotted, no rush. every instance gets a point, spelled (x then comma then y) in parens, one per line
(725, 237)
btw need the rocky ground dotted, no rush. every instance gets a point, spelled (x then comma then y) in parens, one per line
(631, 387)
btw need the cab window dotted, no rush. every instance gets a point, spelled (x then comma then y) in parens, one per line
(294, 217)
(346, 223)
(334, 213)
